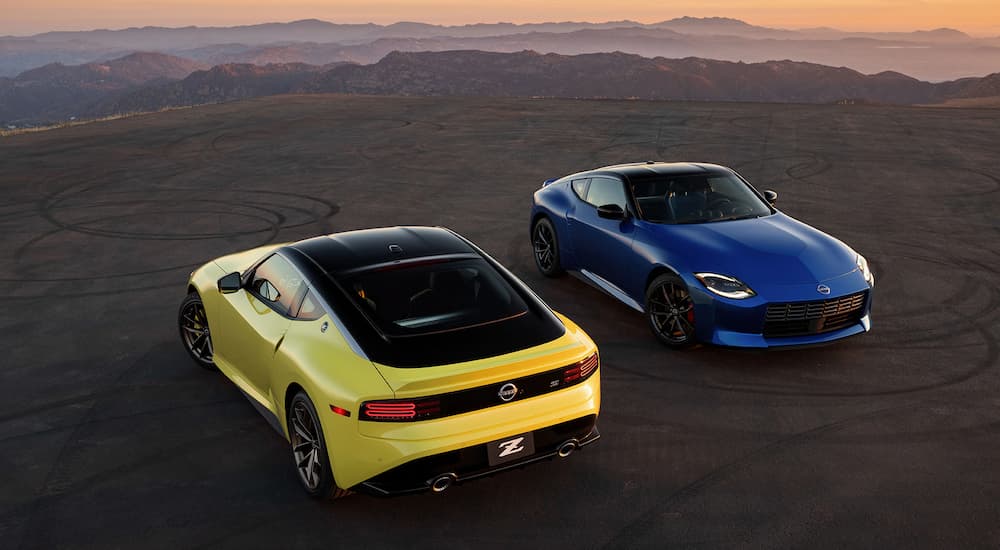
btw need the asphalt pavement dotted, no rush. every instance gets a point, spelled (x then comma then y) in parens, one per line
(110, 436)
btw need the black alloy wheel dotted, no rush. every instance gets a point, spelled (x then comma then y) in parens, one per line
(545, 248)
(670, 311)
(312, 462)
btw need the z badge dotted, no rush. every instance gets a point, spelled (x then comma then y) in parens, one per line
(512, 448)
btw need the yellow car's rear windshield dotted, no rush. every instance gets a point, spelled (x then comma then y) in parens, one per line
(450, 304)
(433, 296)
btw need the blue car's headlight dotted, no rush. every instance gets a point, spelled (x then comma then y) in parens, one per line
(865, 270)
(725, 286)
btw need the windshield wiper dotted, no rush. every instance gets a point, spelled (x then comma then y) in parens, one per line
(730, 218)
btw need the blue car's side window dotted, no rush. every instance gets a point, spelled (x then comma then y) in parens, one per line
(580, 187)
(605, 191)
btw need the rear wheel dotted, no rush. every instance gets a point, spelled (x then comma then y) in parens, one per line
(545, 246)
(309, 450)
(670, 311)
(195, 334)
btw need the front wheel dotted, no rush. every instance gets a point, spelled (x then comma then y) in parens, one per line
(670, 311)
(193, 325)
(309, 450)
(545, 246)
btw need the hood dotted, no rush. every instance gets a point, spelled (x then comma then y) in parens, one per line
(775, 249)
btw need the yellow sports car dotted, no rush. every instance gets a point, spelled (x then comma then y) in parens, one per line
(394, 360)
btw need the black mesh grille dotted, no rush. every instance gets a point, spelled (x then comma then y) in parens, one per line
(801, 318)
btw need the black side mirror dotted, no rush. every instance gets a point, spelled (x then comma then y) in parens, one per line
(230, 283)
(611, 212)
(771, 196)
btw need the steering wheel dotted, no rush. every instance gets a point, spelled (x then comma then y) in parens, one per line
(719, 203)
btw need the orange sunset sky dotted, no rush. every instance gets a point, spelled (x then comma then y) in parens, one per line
(978, 17)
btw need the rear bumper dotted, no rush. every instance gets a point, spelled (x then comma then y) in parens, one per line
(471, 463)
(386, 446)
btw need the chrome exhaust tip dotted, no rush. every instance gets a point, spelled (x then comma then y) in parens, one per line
(567, 448)
(442, 482)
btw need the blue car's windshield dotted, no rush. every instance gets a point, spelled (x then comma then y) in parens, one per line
(699, 198)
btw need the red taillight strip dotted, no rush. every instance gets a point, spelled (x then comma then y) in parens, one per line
(482, 397)
(400, 410)
(588, 365)
(580, 370)
(390, 410)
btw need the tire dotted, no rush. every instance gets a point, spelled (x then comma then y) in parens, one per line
(670, 312)
(309, 451)
(192, 322)
(545, 248)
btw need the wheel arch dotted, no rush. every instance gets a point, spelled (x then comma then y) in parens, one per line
(292, 389)
(538, 215)
(656, 272)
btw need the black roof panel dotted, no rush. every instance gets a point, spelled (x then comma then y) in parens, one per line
(642, 170)
(354, 249)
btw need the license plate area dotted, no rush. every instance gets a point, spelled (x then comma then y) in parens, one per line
(511, 448)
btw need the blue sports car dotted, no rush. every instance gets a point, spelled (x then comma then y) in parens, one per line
(703, 254)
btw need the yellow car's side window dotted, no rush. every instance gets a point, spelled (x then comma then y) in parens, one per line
(278, 284)
(310, 310)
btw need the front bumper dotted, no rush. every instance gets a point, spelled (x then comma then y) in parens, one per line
(471, 463)
(742, 323)
(731, 338)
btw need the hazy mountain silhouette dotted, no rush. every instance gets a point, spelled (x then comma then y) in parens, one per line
(618, 75)
(936, 55)
(220, 83)
(56, 91)
(928, 61)
(147, 82)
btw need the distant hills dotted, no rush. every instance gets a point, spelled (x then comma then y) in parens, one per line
(220, 83)
(57, 92)
(933, 55)
(151, 81)
(622, 76)
(56, 76)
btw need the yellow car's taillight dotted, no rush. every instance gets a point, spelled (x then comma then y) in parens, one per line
(482, 397)
(401, 410)
(580, 371)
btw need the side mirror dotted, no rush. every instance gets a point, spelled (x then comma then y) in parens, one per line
(230, 283)
(611, 212)
(771, 196)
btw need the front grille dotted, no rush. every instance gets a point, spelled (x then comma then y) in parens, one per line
(801, 318)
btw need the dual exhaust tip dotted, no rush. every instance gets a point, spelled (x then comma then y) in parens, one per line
(442, 482)
(566, 448)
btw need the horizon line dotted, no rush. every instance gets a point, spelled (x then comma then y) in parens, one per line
(484, 23)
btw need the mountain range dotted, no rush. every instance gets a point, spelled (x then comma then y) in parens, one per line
(933, 55)
(57, 92)
(152, 81)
